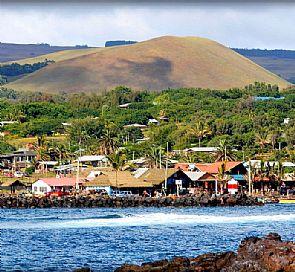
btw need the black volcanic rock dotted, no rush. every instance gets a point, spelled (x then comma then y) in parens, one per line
(268, 254)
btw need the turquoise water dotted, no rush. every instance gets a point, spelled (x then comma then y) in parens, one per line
(103, 239)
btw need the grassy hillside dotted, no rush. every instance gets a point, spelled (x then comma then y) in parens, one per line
(165, 62)
(12, 52)
(280, 62)
(284, 67)
(56, 56)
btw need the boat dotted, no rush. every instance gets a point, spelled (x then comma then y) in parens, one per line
(287, 201)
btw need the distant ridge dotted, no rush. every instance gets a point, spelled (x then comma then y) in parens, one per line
(13, 52)
(280, 62)
(160, 63)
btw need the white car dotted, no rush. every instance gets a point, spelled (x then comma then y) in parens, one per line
(122, 193)
(18, 174)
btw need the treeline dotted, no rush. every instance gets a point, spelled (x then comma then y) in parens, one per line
(279, 53)
(15, 69)
(187, 117)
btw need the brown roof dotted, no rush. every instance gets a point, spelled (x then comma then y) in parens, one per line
(207, 177)
(101, 180)
(124, 180)
(156, 175)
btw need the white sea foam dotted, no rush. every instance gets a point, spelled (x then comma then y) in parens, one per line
(148, 219)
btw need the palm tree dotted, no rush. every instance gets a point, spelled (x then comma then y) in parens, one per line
(152, 156)
(262, 138)
(108, 142)
(117, 160)
(224, 153)
(222, 176)
(199, 130)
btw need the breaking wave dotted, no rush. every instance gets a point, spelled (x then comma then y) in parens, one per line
(146, 219)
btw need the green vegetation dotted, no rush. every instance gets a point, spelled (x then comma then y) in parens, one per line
(188, 117)
(13, 71)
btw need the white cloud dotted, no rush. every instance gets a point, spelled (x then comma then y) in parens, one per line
(236, 26)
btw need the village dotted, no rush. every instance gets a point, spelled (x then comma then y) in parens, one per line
(97, 174)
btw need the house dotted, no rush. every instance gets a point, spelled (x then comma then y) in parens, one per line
(47, 166)
(135, 126)
(153, 121)
(235, 170)
(13, 186)
(46, 185)
(204, 149)
(175, 180)
(3, 123)
(100, 182)
(18, 159)
(95, 160)
(111, 180)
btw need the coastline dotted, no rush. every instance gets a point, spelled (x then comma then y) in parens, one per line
(254, 254)
(98, 201)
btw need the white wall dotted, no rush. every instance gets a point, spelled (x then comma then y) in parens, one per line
(40, 187)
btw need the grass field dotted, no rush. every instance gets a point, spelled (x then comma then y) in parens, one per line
(22, 142)
(165, 62)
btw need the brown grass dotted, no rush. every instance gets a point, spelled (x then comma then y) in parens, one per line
(22, 142)
(165, 62)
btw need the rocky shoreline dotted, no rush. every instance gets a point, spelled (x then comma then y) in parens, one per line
(267, 254)
(98, 201)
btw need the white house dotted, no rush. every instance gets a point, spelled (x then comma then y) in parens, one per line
(45, 185)
(40, 187)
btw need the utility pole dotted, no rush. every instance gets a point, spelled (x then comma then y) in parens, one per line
(160, 157)
(249, 179)
(166, 168)
(77, 174)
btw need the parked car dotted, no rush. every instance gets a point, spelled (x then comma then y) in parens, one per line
(122, 193)
(8, 174)
(18, 174)
(56, 193)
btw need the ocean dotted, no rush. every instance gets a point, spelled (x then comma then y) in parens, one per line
(104, 238)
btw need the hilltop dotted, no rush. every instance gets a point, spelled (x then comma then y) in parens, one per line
(160, 63)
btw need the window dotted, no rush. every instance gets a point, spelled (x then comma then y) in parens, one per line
(35, 189)
(43, 189)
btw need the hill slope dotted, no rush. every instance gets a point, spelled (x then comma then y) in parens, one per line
(11, 51)
(56, 56)
(165, 62)
(280, 62)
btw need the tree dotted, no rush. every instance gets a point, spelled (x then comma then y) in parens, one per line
(222, 176)
(262, 138)
(224, 152)
(199, 130)
(118, 161)
(108, 141)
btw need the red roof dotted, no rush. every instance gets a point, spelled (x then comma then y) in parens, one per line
(59, 182)
(211, 168)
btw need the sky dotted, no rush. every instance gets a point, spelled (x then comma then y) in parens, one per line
(236, 24)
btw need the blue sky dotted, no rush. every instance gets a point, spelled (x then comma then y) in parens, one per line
(254, 25)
